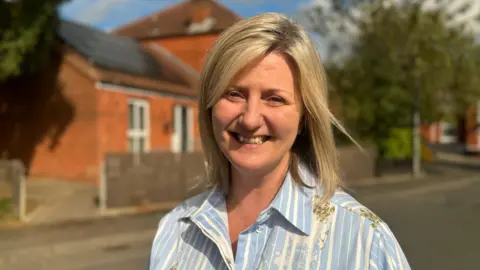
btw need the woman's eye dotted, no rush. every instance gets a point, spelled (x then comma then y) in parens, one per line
(233, 94)
(277, 100)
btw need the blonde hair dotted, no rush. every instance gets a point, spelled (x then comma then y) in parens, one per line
(249, 40)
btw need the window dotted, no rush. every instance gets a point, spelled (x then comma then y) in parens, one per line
(138, 132)
(182, 137)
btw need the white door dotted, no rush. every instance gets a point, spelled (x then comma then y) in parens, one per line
(138, 132)
(182, 136)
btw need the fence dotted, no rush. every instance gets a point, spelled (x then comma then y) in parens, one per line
(152, 178)
(166, 179)
(12, 188)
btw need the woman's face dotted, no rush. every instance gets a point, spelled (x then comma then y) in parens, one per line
(256, 120)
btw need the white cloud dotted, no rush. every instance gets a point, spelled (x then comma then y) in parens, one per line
(97, 11)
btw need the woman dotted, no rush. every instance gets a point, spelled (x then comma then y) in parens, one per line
(276, 199)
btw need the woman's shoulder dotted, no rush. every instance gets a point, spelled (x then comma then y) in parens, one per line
(358, 231)
(358, 214)
(352, 217)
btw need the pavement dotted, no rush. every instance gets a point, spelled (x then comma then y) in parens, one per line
(109, 243)
(56, 201)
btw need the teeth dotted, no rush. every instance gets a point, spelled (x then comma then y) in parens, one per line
(254, 140)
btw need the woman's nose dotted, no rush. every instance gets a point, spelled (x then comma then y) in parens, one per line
(252, 117)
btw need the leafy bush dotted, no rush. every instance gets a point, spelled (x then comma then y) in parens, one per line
(398, 145)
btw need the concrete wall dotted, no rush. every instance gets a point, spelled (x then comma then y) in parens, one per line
(153, 178)
(12, 186)
(167, 179)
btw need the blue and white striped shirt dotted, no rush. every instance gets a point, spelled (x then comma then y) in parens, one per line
(294, 232)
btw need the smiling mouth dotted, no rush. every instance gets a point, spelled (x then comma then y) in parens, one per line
(249, 140)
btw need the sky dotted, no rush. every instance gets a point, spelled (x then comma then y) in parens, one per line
(110, 14)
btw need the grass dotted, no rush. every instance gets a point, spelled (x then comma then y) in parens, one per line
(5, 207)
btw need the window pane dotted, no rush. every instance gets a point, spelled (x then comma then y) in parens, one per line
(130, 116)
(141, 112)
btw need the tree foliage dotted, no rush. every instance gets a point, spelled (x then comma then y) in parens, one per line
(27, 32)
(403, 58)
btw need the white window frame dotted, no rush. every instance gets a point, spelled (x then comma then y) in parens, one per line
(176, 139)
(137, 133)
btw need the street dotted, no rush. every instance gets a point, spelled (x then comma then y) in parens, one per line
(115, 243)
(439, 229)
(436, 222)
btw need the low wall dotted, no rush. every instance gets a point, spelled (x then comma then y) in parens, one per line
(12, 189)
(355, 164)
(153, 178)
(166, 179)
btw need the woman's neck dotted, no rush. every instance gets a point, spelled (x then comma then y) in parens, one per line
(257, 191)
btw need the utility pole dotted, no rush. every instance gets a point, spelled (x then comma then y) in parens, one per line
(417, 153)
(416, 121)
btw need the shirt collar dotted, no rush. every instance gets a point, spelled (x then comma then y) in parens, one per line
(293, 201)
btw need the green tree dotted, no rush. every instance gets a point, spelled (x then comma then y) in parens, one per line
(404, 58)
(27, 33)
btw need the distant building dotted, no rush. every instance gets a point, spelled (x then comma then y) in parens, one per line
(117, 96)
(188, 29)
(472, 128)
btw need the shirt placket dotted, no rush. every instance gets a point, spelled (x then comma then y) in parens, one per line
(222, 244)
(250, 245)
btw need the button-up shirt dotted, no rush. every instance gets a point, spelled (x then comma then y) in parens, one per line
(296, 231)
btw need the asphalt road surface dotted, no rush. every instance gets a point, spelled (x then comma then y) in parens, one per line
(439, 229)
(437, 225)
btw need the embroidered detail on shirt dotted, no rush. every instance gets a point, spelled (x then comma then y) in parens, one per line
(370, 216)
(322, 211)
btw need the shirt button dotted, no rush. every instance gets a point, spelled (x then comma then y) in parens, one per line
(259, 229)
(264, 216)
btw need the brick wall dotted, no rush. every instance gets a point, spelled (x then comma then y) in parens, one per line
(431, 132)
(189, 49)
(113, 120)
(472, 128)
(75, 154)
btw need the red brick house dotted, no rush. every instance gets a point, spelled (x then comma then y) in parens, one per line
(440, 133)
(466, 131)
(187, 29)
(112, 94)
(472, 128)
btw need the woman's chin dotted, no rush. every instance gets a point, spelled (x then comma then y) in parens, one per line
(248, 164)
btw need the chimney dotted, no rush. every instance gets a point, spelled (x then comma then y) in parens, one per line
(201, 10)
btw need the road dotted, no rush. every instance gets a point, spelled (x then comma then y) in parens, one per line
(115, 243)
(436, 222)
(438, 229)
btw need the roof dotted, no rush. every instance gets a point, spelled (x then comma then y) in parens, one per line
(123, 79)
(121, 60)
(188, 18)
(108, 51)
